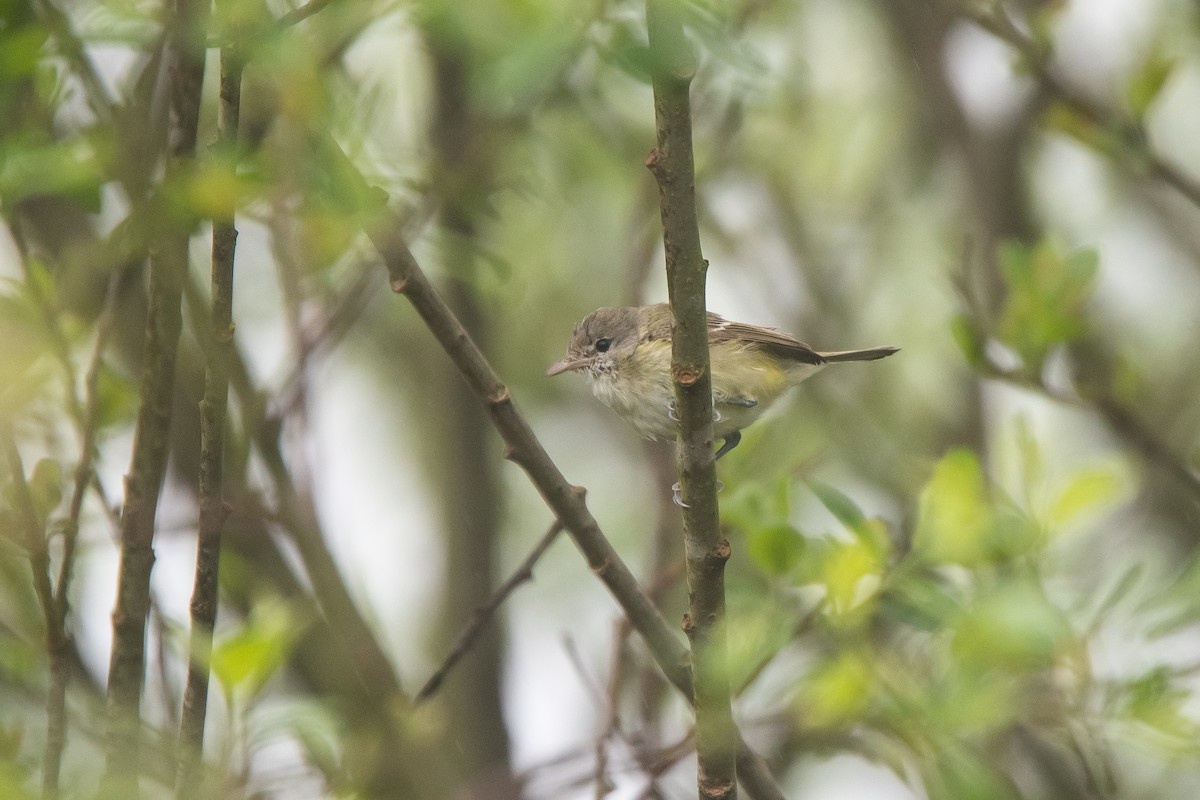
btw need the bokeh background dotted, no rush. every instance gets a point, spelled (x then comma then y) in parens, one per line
(968, 571)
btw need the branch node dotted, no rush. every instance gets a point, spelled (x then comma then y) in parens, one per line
(687, 624)
(399, 283)
(722, 789)
(687, 375)
(499, 396)
(722, 551)
(654, 162)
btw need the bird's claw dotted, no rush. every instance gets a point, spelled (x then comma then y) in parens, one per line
(677, 497)
(674, 415)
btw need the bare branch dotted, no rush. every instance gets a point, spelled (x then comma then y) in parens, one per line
(706, 551)
(213, 412)
(148, 463)
(484, 613)
(56, 644)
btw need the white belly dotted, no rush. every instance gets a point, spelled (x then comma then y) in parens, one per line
(649, 410)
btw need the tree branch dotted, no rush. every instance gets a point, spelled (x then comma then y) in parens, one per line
(484, 613)
(56, 641)
(213, 411)
(673, 167)
(168, 266)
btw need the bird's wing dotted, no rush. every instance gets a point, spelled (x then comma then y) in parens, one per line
(770, 339)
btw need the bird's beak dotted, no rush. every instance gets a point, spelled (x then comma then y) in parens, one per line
(566, 364)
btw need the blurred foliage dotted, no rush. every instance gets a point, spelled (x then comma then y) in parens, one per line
(971, 567)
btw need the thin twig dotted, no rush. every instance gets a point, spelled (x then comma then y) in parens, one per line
(56, 645)
(706, 550)
(87, 444)
(612, 689)
(148, 461)
(301, 13)
(484, 613)
(56, 696)
(213, 412)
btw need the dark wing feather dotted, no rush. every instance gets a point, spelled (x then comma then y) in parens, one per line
(769, 339)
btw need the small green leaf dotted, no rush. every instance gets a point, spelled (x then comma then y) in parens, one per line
(841, 506)
(1147, 82)
(954, 517)
(873, 533)
(45, 486)
(245, 660)
(626, 48)
(1047, 297)
(969, 338)
(921, 600)
(1014, 627)
(964, 775)
(836, 692)
(1088, 491)
(1154, 699)
(116, 398)
(1032, 465)
(844, 569)
(777, 549)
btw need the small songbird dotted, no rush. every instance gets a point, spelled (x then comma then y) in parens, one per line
(626, 355)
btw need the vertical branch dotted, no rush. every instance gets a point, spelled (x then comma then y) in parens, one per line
(168, 265)
(59, 641)
(706, 552)
(213, 408)
(56, 642)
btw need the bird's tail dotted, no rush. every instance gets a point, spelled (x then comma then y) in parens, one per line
(870, 354)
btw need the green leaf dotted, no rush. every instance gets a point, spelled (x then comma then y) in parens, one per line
(45, 486)
(921, 600)
(1154, 699)
(116, 398)
(841, 506)
(837, 692)
(873, 533)
(626, 48)
(1087, 492)
(844, 569)
(1147, 82)
(954, 517)
(244, 661)
(969, 338)
(1032, 465)
(1014, 627)
(1047, 295)
(962, 774)
(777, 549)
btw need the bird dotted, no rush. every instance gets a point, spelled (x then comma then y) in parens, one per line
(625, 353)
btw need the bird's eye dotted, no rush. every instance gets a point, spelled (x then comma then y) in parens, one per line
(602, 345)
